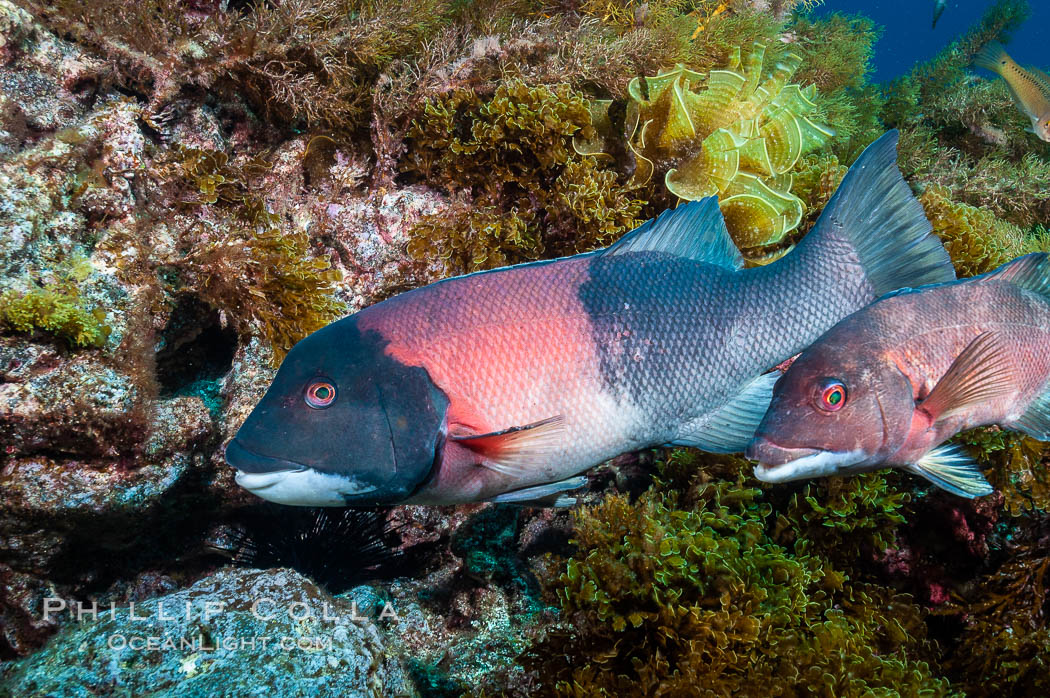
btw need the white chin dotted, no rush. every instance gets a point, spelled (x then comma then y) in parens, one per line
(818, 464)
(304, 488)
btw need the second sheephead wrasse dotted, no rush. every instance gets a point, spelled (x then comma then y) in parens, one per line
(503, 385)
(888, 385)
(1029, 87)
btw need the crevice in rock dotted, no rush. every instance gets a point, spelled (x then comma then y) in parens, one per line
(194, 348)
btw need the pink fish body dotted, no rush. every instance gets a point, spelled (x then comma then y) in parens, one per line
(891, 383)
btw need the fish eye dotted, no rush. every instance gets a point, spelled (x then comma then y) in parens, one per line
(320, 394)
(832, 395)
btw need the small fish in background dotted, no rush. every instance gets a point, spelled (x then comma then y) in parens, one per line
(938, 10)
(504, 385)
(1029, 87)
(890, 384)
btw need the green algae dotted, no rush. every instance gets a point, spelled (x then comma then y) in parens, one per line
(57, 306)
(57, 310)
(531, 195)
(737, 132)
(688, 592)
(976, 240)
(844, 520)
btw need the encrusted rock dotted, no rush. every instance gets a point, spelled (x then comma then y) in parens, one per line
(237, 632)
(75, 405)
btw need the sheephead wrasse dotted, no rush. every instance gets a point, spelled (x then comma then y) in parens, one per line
(890, 384)
(505, 385)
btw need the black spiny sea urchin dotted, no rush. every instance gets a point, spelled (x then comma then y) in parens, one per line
(337, 548)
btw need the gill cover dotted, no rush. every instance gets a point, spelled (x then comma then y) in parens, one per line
(379, 437)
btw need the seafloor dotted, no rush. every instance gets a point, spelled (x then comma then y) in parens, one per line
(188, 187)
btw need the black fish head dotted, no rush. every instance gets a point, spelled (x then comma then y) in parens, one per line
(342, 424)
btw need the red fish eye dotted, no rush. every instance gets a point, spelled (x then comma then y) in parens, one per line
(320, 395)
(833, 397)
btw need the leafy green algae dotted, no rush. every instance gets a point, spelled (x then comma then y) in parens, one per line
(688, 594)
(57, 310)
(531, 195)
(57, 307)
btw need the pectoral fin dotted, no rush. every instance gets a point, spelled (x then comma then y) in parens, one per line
(731, 428)
(515, 451)
(981, 372)
(951, 469)
(550, 494)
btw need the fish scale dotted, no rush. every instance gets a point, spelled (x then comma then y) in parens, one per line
(644, 343)
(953, 318)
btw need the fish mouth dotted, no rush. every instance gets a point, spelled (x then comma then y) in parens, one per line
(305, 488)
(287, 482)
(769, 453)
(782, 464)
(247, 461)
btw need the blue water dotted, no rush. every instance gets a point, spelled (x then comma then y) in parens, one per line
(907, 38)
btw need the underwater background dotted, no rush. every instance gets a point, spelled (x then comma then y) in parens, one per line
(908, 38)
(187, 188)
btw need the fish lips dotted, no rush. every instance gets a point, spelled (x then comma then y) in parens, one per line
(294, 484)
(247, 461)
(778, 463)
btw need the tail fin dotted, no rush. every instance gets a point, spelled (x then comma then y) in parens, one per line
(875, 213)
(991, 57)
(1032, 273)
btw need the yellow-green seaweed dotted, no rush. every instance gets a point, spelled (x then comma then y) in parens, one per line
(976, 240)
(732, 132)
(56, 309)
(686, 594)
(530, 195)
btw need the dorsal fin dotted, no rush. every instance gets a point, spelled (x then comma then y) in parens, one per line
(875, 213)
(1031, 272)
(695, 230)
(991, 57)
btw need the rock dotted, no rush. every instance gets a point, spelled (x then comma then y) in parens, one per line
(22, 625)
(369, 234)
(198, 641)
(50, 506)
(53, 79)
(78, 405)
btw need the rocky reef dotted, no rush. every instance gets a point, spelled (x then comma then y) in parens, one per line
(188, 188)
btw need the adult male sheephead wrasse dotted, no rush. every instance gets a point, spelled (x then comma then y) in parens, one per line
(503, 385)
(889, 384)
